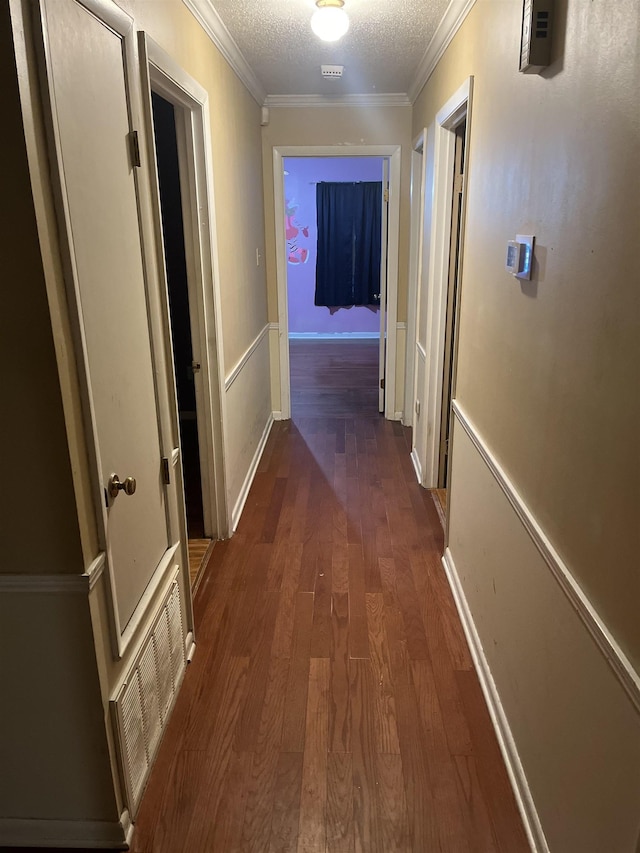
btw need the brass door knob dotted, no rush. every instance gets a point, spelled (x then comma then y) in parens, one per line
(115, 486)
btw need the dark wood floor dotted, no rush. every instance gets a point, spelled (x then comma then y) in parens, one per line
(331, 704)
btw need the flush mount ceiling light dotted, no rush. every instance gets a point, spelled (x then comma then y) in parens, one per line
(330, 21)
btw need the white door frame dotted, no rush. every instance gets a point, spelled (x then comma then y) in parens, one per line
(162, 75)
(418, 174)
(456, 109)
(393, 153)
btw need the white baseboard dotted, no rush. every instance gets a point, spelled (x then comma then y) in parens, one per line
(507, 745)
(251, 473)
(334, 336)
(277, 416)
(398, 416)
(417, 467)
(66, 834)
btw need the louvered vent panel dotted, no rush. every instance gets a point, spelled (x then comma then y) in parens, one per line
(174, 612)
(141, 708)
(132, 735)
(150, 700)
(163, 664)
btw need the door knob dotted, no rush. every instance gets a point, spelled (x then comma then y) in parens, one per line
(115, 486)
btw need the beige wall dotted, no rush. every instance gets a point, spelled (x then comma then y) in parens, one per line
(549, 370)
(237, 167)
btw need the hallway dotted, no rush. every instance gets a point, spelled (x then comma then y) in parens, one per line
(331, 704)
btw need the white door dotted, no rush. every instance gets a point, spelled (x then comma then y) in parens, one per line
(383, 284)
(90, 72)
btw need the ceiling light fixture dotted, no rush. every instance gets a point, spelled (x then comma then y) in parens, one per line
(330, 22)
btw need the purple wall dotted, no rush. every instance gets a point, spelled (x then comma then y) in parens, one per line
(301, 176)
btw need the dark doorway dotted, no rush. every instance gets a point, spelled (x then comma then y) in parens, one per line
(164, 122)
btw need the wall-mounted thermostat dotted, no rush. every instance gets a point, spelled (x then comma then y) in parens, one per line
(535, 43)
(520, 256)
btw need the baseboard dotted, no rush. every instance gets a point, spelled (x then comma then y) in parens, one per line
(507, 745)
(398, 416)
(251, 473)
(417, 467)
(334, 336)
(66, 834)
(277, 416)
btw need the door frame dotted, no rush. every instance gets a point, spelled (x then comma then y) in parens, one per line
(393, 152)
(455, 110)
(161, 74)
(416, 241)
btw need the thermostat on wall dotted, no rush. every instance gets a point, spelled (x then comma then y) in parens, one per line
(520, 256)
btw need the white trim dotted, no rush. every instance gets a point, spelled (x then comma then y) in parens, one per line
(231, 378)
(417, 467)
(451, 22)
(66, 834)
(393, 152)
(95, 569)
(421, 351)
(507, 745)
(449, 116)
(204, 12)
(418, 175)
(274, 327)
(251, 473)
(189, 647)
(401, 326)
(334, 336)
(277, 416)
(620, 664)
(398, 416)
(383, 99)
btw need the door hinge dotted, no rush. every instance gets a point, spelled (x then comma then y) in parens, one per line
(166, 471)
(386, 195)
(382, 383)
(195, 366)
(134, 148)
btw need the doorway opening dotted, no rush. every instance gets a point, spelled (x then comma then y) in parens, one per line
(452, 302)
(335, 232)
(180, 316)
(384, 339)
(183, 213)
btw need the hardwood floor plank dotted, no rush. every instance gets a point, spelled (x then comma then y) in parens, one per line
(366, 806)
(496, 790)
(313, 798)
(340, 828)
(383, 698)
(286, 804)
(358, 630)
(394, 821)
(339, 706)
(293, 729)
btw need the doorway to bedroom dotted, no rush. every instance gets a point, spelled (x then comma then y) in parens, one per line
(335, 228)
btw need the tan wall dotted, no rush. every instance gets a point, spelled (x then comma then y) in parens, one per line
(237, 167)
(549, 370)
(38, 491)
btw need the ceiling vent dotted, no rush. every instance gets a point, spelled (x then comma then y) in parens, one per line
(331, 72)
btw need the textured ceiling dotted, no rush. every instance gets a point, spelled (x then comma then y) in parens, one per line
(380, 52)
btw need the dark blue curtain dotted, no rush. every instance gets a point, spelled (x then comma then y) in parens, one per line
(349, 233)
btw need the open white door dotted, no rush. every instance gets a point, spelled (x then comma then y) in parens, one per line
(93, 79)
(383, 284)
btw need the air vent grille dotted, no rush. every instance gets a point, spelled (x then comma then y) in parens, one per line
(142, 706)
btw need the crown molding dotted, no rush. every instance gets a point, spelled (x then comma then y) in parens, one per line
(454, 17)
(389, 99)
(212, 24)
